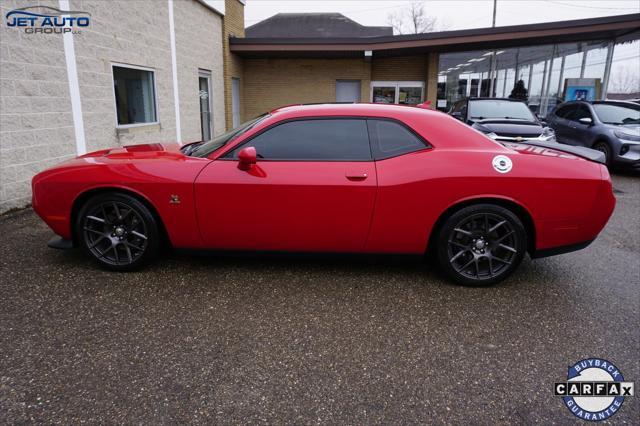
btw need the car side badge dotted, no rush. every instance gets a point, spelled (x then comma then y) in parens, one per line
(502, 164)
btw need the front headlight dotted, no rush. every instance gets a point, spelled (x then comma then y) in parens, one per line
(492, 135)
(627, 136)
(548, 135)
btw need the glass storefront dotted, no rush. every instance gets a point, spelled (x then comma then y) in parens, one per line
(538, 75)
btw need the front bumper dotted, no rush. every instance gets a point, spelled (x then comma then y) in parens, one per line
(628, 155)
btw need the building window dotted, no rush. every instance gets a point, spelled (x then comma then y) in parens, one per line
(135, 95)
(541, 76)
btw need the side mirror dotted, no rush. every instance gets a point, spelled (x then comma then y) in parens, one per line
(457, 114)
(586, 120)
(247, 157)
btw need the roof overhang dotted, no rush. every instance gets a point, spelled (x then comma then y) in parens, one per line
(621, 27)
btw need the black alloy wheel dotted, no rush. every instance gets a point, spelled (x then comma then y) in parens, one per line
(481, 244)
(118, 231)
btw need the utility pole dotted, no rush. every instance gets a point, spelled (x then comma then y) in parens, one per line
(492, 64)
(495, 7)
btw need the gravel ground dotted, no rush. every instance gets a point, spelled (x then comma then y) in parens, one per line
(238, 339)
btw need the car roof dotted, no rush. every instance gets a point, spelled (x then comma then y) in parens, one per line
(351, 109)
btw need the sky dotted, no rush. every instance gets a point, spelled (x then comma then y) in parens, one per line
(450, 14)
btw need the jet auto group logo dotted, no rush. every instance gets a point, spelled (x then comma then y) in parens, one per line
(594, 390)
(47, 20)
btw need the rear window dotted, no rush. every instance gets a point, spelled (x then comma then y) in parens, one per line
(390, 139)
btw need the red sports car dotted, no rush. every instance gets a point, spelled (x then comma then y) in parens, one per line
(353, 178)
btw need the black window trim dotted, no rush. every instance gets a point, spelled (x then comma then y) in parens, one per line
(224, 156)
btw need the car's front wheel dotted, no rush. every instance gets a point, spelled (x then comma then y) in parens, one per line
(118, 231)
(481, 244)
(605, 149)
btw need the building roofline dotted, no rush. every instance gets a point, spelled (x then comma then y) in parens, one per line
(211, 7)
(281, 15)
(508, 36)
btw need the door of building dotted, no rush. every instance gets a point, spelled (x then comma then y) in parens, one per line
(204, 93)
(347, 90)
(397, 92)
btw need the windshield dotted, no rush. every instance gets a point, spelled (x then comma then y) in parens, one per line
(490, 108)
(617, 114)
(203, 149)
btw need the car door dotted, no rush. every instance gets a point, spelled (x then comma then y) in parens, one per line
(560, 122)
(312, 188)
(580, 133)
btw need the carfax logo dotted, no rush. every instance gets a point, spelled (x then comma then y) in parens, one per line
(47, 20)
(594, 390)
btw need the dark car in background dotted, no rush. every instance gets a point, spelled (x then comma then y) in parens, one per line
(502, 119)
(612, 127)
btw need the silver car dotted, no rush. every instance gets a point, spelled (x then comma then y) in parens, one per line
(612, 127)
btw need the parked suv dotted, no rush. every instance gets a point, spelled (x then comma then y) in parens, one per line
(502, 119)
(612, 127)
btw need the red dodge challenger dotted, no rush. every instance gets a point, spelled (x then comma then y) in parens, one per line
(354, 178)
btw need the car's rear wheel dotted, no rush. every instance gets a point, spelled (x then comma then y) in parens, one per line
(605, 149)
(118, 231)
(481, 244)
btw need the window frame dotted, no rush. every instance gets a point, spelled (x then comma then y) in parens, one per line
(427, 146)
(155, 93)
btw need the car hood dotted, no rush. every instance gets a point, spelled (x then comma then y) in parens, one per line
(511, 128)
(633, 129)
(143, 151)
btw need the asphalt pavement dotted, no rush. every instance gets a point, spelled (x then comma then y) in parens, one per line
(287, 339)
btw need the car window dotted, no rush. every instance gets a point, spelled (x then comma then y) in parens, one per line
(581, 112)
(458, 106)
(496, 108)
(617, 114)
(565, 111)
(390, 139)
(312, 140)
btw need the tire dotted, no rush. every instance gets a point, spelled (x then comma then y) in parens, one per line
(481, 244)
(606, 149)
(118, 231)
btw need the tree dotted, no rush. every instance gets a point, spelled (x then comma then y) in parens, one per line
(412, 20)
(624, 80)
(519, 92)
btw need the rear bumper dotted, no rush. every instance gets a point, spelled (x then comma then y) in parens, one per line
(553, 251)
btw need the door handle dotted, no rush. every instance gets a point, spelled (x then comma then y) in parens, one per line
(356, 175)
